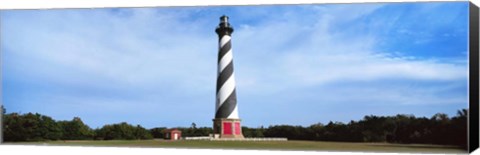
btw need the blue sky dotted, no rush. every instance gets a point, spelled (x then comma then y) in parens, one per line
(294, 64)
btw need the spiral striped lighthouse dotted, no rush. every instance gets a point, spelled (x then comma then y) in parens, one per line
(226, 123)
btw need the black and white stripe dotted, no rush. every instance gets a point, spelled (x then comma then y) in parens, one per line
(226, 102)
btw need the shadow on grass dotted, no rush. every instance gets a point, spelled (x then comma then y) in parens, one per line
(425, 146)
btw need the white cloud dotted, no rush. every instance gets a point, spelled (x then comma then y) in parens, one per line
(139, 50)
(273, 59)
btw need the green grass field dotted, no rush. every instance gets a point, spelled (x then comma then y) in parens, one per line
(265, 145)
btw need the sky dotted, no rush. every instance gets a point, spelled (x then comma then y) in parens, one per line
(294, 64)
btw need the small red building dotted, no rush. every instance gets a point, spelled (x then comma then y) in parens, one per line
(172, 134)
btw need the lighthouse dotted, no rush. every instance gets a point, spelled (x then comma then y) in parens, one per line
(226, 123)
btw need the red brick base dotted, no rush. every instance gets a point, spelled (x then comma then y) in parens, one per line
(227, 128)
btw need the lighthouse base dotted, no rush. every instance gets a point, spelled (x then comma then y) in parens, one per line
(227, 128)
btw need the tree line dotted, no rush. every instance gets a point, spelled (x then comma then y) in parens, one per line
(406, 129)
(438, 129)
(37, 127)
